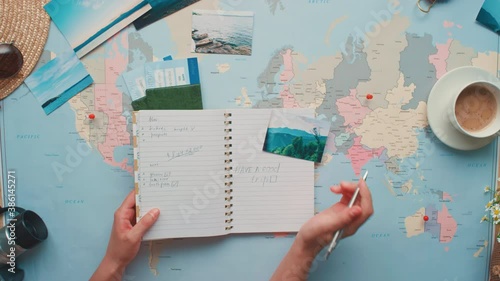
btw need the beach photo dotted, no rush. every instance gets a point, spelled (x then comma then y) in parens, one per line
(296, 136)
(222, 32)
(58, 81)
(88, 23)
(489, 15)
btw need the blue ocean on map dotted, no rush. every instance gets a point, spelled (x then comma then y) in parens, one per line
(124, 152)
(232, 29)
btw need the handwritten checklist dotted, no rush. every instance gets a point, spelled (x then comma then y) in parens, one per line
(206, 172)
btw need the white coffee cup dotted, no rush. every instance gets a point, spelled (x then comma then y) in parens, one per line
(493, 127)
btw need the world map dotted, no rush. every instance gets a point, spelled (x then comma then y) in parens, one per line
(320, 54)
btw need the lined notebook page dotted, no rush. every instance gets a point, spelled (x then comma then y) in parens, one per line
(180, 156)
(271, 193)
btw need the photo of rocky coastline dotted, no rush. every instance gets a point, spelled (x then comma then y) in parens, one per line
(220, 32)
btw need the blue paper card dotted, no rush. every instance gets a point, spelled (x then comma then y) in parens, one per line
(87, 24)
(136, 82)
(58, 81)
(489, 15)
(161, 9)
(155, 4)
(172, 73)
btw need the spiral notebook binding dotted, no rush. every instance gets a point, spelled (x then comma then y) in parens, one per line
(229, 169)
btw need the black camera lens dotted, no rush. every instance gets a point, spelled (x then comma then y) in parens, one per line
(30, 230)
(35, 225)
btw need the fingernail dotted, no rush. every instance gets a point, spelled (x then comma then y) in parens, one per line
(154, 213)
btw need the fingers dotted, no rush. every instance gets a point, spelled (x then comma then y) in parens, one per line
(366, 206)
(347, 189)
(342, 219)
(344, 187)
(147, 221)
(127, 209)
(129, 201)
(366, 202)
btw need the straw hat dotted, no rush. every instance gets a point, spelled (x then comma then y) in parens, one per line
(25, 23)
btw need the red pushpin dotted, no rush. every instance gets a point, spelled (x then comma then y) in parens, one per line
(92, 116)
(426, 218)
(369, 96)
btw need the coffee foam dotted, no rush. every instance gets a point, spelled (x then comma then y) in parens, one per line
(475, 108)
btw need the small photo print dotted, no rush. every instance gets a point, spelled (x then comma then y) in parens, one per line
(296, 136)
(88, 23)
(489, 15)
(222, 32)
(58, 81)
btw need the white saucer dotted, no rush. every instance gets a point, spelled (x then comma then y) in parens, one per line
(439, 103)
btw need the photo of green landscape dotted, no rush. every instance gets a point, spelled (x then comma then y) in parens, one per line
(303, 138)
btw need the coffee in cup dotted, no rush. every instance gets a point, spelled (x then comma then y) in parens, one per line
(476, 109)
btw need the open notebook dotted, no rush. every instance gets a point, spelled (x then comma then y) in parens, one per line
(206, 172)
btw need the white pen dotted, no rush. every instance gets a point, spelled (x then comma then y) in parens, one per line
(338, 234)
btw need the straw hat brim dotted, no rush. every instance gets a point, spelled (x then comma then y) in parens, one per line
(26, 24)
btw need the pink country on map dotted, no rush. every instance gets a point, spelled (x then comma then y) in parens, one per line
(439, 59)
(288, 98)
(448, 24)
(448, 225)
(285, 77)
(440, 224)
(359, 155)
(352, 110)
(108, 99)
(447, 197)
(287, 74)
